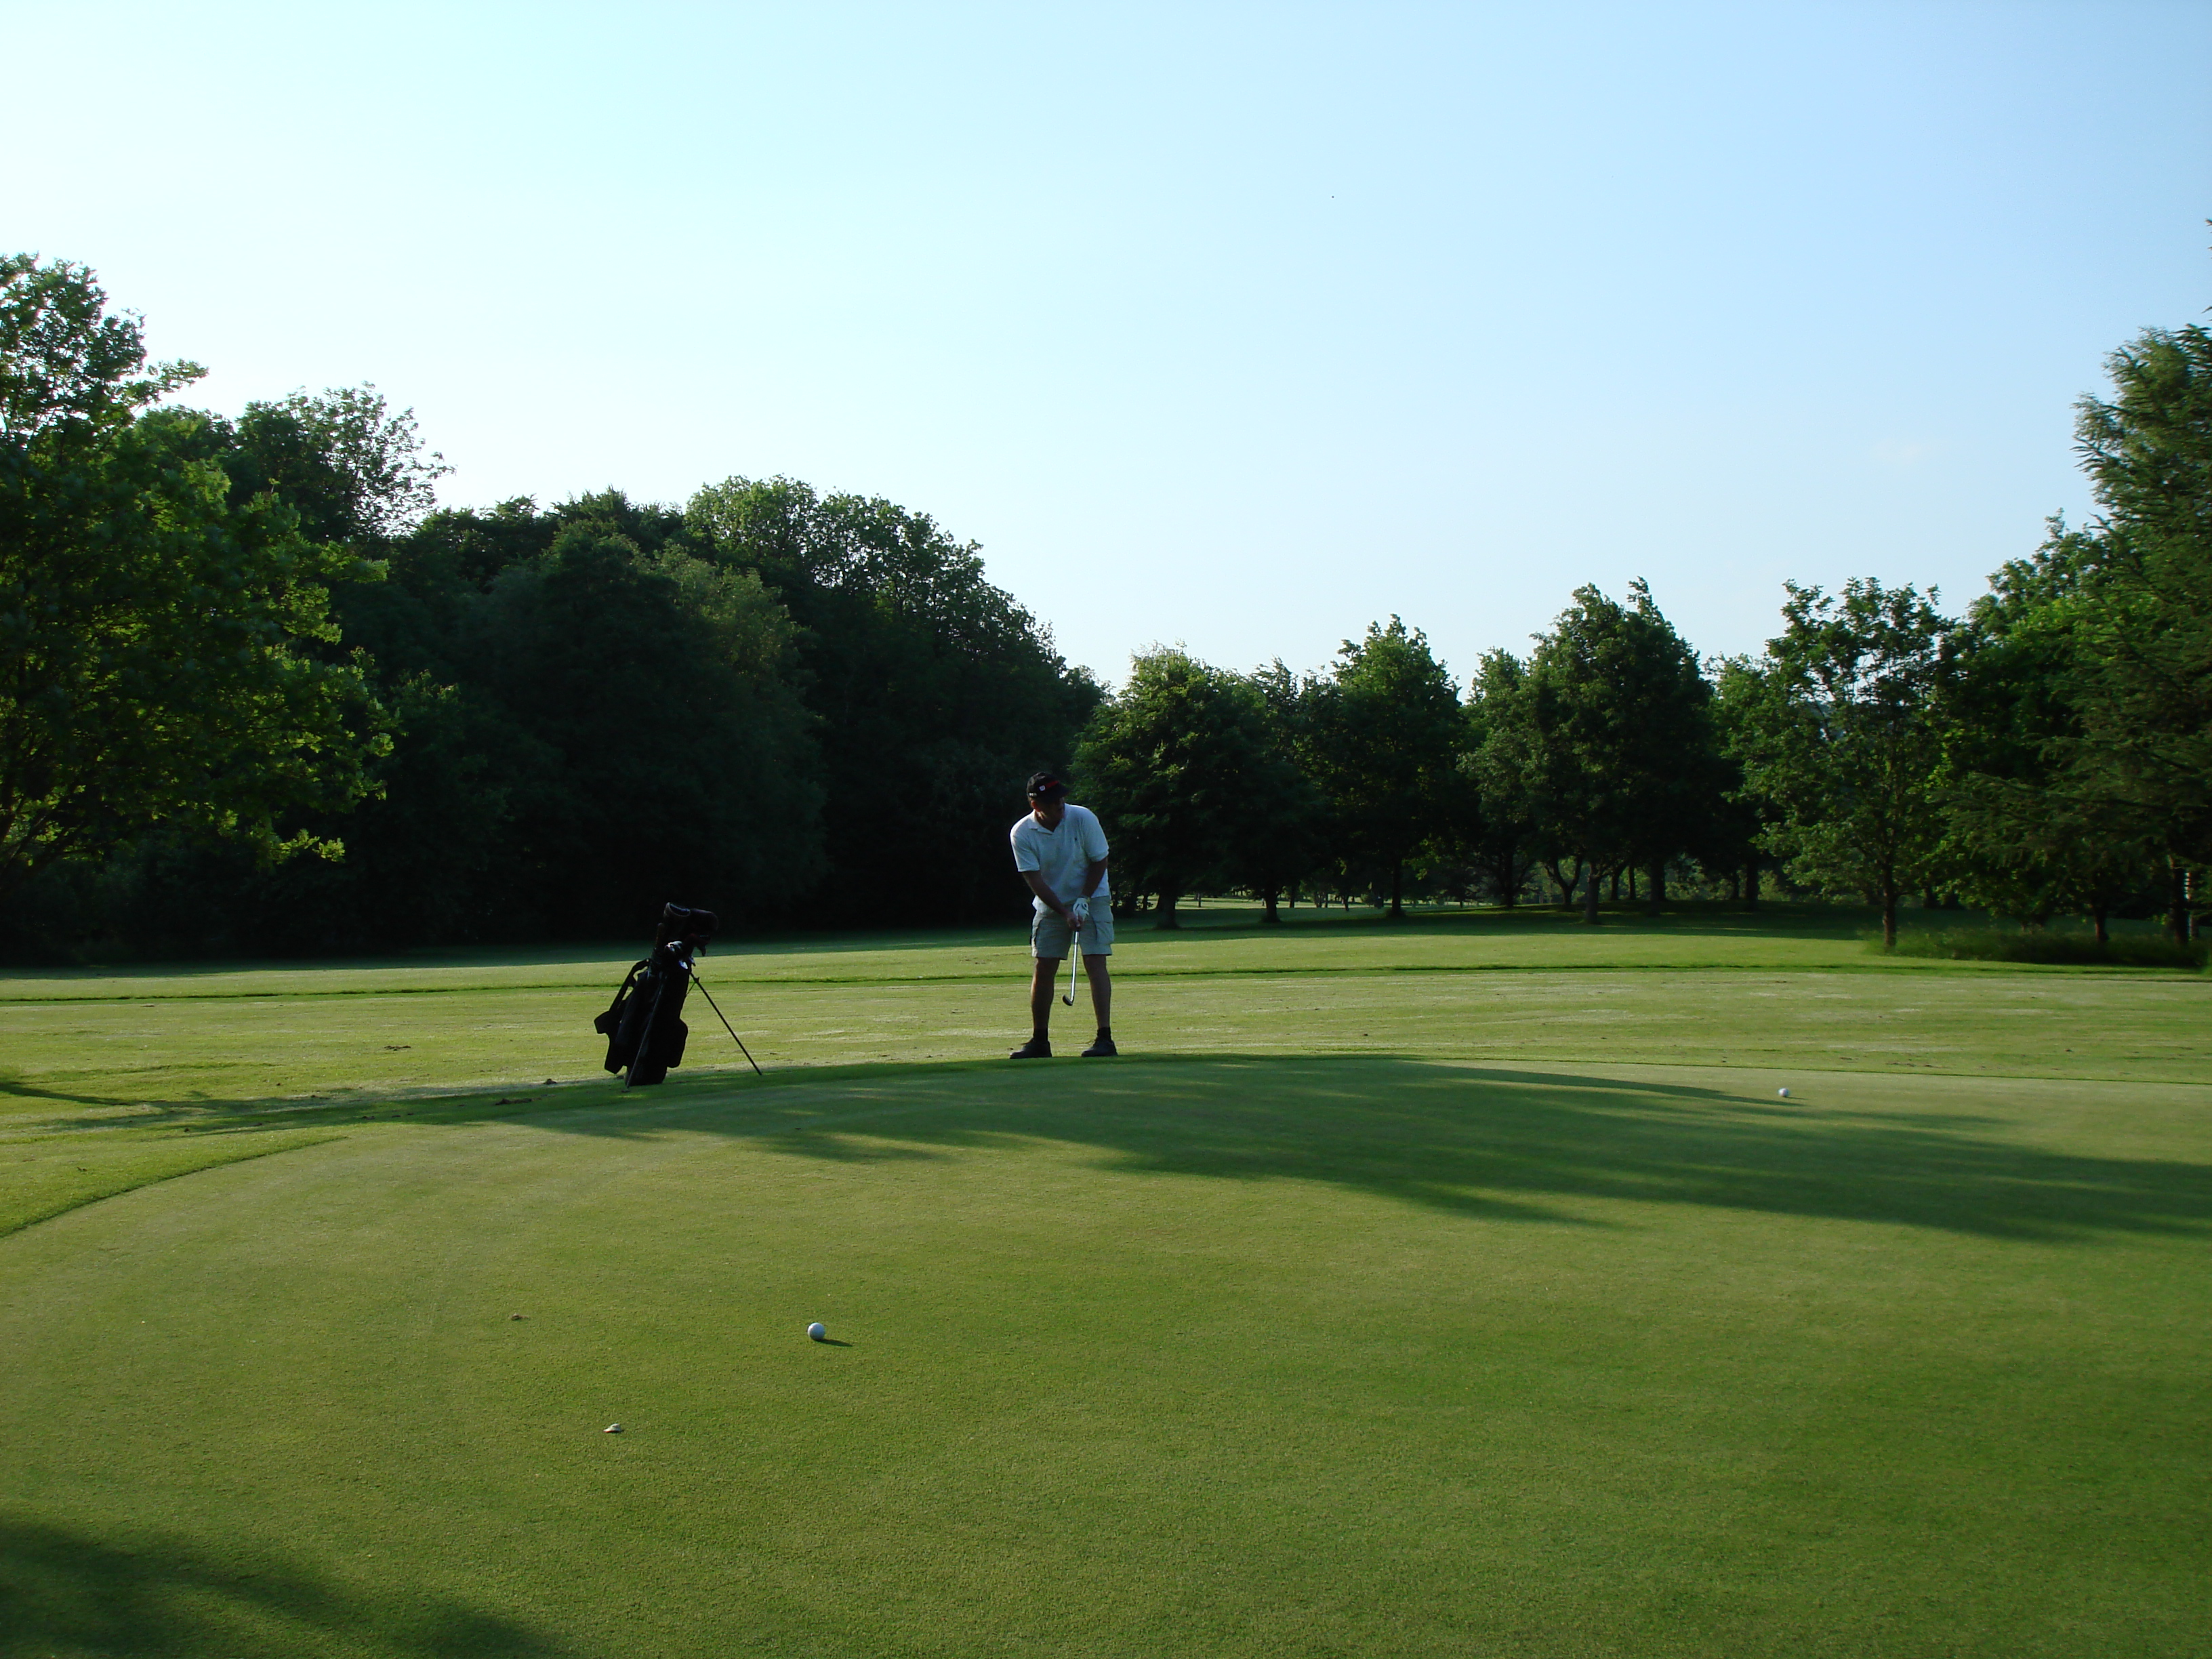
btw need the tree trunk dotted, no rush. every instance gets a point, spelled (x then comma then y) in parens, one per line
(1632, 885)
(1616, 883)
(1164, 911)
(1751, 885)
(2097, 920)
(1268, 898)
(1889, 919)
(1397, 889)
(1658, 885)
(1589, 897)
(2177, 905)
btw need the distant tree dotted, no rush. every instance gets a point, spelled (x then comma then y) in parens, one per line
(353, 470)
(1504, 841)
(1287, 834)
(1621, 764)
(1743, 818)
(1847, 739)
(2024, 838)
(2140, 613)
(161, 643)
(677, 758)
(1386, 735)
(1181, 765)
(934, 692)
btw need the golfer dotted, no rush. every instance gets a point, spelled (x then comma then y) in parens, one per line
(1061, 853)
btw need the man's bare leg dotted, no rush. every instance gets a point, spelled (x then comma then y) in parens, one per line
(1096, 970)
(1043, 977)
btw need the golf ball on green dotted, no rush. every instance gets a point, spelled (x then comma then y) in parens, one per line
(818, 1331)
(1783, 1093)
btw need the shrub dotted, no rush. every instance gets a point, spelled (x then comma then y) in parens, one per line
(2040, 945)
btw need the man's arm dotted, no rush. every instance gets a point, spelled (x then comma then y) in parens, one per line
(1043, 890)
(1093, 873)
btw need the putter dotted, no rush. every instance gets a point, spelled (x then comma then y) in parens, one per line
(1068, 997)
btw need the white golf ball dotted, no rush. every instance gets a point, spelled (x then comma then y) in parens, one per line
(818, 1331)
(1783, 1093)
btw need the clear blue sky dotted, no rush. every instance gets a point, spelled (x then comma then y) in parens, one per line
(1235, 326)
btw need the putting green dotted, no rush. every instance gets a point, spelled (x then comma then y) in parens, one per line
(1373, 1348)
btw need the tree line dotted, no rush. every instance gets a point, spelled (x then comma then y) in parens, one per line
(256, 692)
(2048, 753)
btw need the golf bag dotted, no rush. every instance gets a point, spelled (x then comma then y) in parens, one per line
(644, 1025)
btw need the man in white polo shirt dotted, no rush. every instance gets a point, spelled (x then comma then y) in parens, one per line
(1060, 852)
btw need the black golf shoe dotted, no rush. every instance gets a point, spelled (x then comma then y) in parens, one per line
(1035, 1048)
(1101, 1049)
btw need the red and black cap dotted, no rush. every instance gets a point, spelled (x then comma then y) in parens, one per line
(1046, 785)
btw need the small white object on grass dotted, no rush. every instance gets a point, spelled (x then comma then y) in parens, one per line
(1783, 1094)
(611, 1428)
(818, 1331)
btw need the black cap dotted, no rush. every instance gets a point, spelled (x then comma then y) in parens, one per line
(1046, 785)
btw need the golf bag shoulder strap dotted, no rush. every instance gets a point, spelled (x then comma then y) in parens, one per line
(605, 1024)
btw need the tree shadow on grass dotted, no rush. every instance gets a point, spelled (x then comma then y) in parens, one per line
(62, 1591)
(1477, 1140)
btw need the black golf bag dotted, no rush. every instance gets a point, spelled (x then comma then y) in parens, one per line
(644, 1025)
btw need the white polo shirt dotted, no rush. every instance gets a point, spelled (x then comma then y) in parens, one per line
(1061, 855)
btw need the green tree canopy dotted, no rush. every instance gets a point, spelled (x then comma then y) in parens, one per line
(1385, 737)
(1186, 770)
(1621, 760)
(2135, 595)
(936, 694)
(1845, 737)
(162, 645)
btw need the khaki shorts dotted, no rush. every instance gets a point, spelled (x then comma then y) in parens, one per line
(1048, 938)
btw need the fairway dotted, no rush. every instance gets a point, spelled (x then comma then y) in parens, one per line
(1464, 1288)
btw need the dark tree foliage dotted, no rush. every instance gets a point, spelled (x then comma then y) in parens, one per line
(2022, 838)
(1621, 758)
(353, 470)
(936, 694)
(1291, 834)
(1385, 736)
(1504, 839)
(1845, 739)
(2141, 613)
(162, 644)
(1185, 768)
(674, 758)
(1743, 818)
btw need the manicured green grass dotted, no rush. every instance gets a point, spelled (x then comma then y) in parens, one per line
(1460, 1287)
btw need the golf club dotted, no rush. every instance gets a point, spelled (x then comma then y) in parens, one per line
(1067, 996)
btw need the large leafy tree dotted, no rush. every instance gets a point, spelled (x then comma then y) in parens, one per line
(2140, 609)
(1621, 759)
(1288, 835)
(1194, 789)
(2025, 837)
(1386, 738)
(936, 694)
(1846, 738)
(678, 764)
(1743, 818)
(163, 646)
(1504, 841)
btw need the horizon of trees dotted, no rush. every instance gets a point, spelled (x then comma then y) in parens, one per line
(256, 692)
